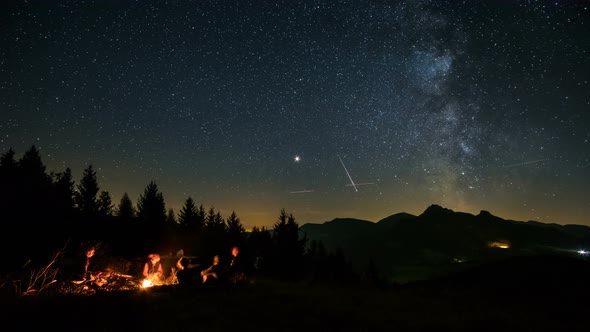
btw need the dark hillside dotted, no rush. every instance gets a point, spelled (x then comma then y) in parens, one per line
(537, 274)
(439, 240)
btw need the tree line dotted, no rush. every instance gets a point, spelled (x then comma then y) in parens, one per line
(41, 211)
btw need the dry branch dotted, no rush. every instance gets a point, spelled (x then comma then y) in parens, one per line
(40, 280)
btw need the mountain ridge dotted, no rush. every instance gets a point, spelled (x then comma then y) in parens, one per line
(434, 209)
(440, 237)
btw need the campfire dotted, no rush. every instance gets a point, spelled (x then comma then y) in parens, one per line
(150, 282)
(63, 275)
(110, 281)
(104, 281)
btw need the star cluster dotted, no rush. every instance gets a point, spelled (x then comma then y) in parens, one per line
(473, 105)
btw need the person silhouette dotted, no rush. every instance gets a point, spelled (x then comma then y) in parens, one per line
(213, 273)
(236, 272)
(153, 270)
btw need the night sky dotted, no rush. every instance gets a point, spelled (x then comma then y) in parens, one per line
(255, 106)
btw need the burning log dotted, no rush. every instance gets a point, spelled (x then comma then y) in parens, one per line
(103, 282)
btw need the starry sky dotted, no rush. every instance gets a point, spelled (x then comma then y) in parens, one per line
(255, 106)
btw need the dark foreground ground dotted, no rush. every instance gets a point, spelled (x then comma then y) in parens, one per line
(527, 294)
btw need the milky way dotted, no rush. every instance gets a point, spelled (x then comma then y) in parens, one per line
(475, 105)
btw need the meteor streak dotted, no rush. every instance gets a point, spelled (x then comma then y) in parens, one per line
(351, 182)
(360, 184)
(527, 162)
(301, 191)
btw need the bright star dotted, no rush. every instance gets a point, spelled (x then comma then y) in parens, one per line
(297, 159)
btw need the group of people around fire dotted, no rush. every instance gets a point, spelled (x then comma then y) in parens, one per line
(185, 272)
(221, 271)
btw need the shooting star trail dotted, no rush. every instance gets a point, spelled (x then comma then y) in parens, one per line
(361, 184)
(352, 182)
(301, 191)
(527, 162)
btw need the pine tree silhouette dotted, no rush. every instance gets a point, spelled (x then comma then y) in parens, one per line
(63, 187)
(289, 249)
(86, 197)
(105, 204)
(151, 214)
(187, 218)
(235, 230)
(171, 218)
(151, 208)
(126, 211)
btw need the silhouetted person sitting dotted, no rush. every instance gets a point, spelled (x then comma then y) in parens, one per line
(85, 267)
(236, 269)
(213, 274)
(153, 270)
(181, 271)
(186, 274)
(90, 276)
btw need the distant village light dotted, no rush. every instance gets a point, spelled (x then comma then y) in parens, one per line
(499, 244)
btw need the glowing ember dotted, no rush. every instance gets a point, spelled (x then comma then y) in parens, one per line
(147, 283)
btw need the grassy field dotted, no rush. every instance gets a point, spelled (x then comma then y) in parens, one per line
(271, 306)
(513, 298)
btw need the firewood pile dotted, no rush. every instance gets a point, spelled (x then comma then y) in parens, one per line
(102, 282)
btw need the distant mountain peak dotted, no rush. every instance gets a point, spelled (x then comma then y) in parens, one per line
(395, 218)
(435, 209)
(344, 221)
(484, 213)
